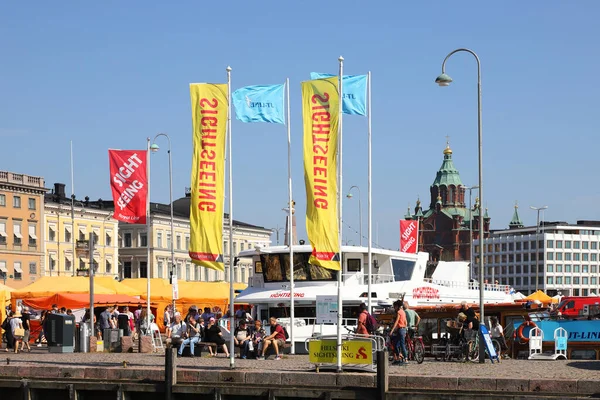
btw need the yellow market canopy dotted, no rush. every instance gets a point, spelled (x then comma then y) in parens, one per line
(539, 295)
(50, 285)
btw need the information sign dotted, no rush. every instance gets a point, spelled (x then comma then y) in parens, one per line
(353, 351)
(488, 343)
(327, 309)
(175, 288)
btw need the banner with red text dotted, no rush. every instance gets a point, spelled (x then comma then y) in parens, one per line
(320, 114)
(129, 184)
(209, 125)
(409, 236)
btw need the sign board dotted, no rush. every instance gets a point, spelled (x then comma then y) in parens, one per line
(488, 343)
(175, 288)
(353, 351)
(327, 309)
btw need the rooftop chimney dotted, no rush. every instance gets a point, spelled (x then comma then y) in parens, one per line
(59, 190)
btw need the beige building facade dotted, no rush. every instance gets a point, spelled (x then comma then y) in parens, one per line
(21, 228)
(63, 228)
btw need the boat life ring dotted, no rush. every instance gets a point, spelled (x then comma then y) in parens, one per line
(520, 335)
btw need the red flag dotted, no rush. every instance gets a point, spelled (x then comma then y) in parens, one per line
(409, 236)
(129, 184)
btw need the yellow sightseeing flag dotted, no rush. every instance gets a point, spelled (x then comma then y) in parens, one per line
(320, 114)
(209, 124)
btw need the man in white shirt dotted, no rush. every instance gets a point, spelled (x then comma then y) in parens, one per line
(176, 332)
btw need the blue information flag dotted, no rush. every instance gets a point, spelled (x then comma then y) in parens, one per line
(354, 92)
(259, 103)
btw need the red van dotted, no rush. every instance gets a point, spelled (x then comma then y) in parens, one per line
(573, 306)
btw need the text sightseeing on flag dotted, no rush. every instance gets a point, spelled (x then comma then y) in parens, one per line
(209, 124)
(355, 92)
(320, 114)
(259, 103)
(129, 184)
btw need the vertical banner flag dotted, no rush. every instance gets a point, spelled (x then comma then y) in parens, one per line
(320, 114)
(129, 184)
(209, 124)
(355, 92)
(409, 236)
(259, 103)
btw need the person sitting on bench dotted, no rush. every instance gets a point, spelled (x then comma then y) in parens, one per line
(214, 335)
(242, 339)
(195, 331)
(276, 338)
(176, 331)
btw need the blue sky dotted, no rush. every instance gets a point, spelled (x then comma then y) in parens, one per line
(108, 75)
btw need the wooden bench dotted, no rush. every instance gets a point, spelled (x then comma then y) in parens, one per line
(198, 347)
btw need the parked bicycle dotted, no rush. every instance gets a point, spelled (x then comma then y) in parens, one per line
(415, 347)
(473, 348)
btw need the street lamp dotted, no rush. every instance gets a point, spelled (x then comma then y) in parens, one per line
(276, 230)
(154, 148)
(537, 245)
(470, 189)
(349, 196)
(445, 80)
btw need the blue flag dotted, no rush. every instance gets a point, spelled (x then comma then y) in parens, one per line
(354, 92)
(259, 103)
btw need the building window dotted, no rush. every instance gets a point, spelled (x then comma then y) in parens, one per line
(593, 269)
(550, 280)
(550, 244)
(511, 246)
(567, 280)
(17, 236)
(567, 244)
(143, 269)
(575, 244)
(187, 243)
(3, 270)
(550, 256)
(168, 240)
(585, 269)
(226, 247)
(108, 266)
(576, 268)
(559, 280)
(525, 245)
(518, 245)
(18, 271)
(179, 274)
(567, 267)
(95, 238)
(559, 256)
(159, 240)
(51, 234)
(567, 256)
(559, 244)
(32, 268)
(2, 233)
(67, 264)
(533, 245)
(234, 249)
(594, 280)
(575, 280)
(31, 203)
(2, 200)
(52, 262)
(575, 292)
(559, 268)
(187, 271)
(160, 269)
(550, 268)
(226, 274)
(81, 233)
(127, 239)
(206, 276)
(585, 281)
(178, 242)
(585, 257)
(67, 235)
(576, 256)
(518, 281)
(593, 257)
(32, 236)
(243, 275)
(108, 239)
(235, 274)
(127, 269)
(81, 263)
(143, 239)
(594, 245)
(196, 272)
(17, 201)
(518, 269)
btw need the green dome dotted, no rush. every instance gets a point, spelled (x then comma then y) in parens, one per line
(447, 175)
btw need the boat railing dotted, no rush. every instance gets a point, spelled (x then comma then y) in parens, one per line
(375, 278)
(469, 285)
(345, 321)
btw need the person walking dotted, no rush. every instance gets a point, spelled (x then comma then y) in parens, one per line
(497, 333)
(16, 326)
(25, 319)
(399, 339)
(6, 326)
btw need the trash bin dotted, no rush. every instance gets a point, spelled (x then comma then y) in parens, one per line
(112, 339)
(84, 335)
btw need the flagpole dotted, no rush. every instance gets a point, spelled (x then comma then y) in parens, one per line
(72, 213)
(369, 228)
(231, 255)
(148, 237)
(340, 272)
(290, 213)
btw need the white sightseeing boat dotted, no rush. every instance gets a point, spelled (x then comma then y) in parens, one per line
(394, 275)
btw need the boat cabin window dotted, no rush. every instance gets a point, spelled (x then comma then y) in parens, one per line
(566, 305)
(275, 268)
(403, 269)
(353, 264)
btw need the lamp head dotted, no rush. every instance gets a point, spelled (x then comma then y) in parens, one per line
(349, 195)
(154, 147)
(443, 80)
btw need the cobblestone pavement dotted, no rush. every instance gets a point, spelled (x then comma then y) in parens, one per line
(570, 369)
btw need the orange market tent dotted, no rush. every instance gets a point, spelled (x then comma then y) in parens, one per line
(539, 295)
(75, 301)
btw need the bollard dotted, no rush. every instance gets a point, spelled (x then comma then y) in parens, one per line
(382, 373)
(170, 372)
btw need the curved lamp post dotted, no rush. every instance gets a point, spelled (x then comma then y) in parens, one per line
(154, 148)
(537, 245)
(349, 196)
(445, 80)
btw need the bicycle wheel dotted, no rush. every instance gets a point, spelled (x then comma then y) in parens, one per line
(419, 351)
(497, 347)
(473, 350)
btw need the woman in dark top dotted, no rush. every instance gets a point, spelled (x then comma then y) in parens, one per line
(10, 339)
(213, 334)
(25, 317)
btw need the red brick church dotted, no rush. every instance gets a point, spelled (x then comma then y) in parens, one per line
(444, 227)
